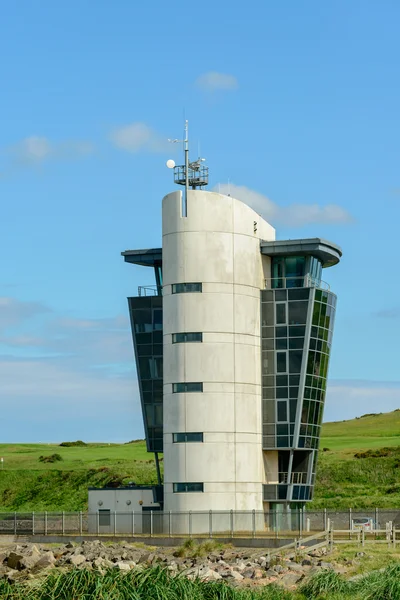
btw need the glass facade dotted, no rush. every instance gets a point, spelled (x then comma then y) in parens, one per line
(146, 323)
(296, 336)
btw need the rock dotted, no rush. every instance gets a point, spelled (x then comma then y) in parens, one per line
(270, 573)
(98, 563)
(12, 576)
(289, 580)
(294, 567)
(325, 565)
(77, 560)
(306, 562)
(13, 560)
(122, 566)
(147, 557)
(28, 562)
(3, 557)
(69, 545)
(235, 575)
(278, 569)
(47, 560)
(248, 573)
(258, 574)
(210, 575)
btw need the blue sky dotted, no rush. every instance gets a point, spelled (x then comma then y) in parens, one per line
(294, 103)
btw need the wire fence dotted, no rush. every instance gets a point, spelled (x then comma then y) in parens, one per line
(229, 524)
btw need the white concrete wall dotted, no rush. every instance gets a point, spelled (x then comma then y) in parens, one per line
(217, 245)
(125, 507)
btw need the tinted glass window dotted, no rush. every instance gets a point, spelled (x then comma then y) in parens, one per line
(187, 387)
(182, 288)
(282, 411)
(298, 313)
(281, 366)
(187, 437)
(186, 337)
(280, 313)
(188, 487)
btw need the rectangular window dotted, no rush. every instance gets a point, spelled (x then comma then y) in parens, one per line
(183, 288)
(282, 412)
(179, 338)
(178, 438)
(104, 517)
(281, 362)
(280, 309)
(188, 487)
(187, 387)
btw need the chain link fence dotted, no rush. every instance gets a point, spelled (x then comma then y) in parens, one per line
(227, 524)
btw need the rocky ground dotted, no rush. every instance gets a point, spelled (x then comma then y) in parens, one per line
(239, 567)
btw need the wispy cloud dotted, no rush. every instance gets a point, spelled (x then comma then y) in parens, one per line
(294, 215)
(14, 312)
(35, 150)
(138, 137)
(388, 313)
(213, 81)
(54, 367)
(347, 399)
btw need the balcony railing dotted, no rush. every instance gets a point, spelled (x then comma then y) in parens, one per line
(295, 282)
(149, 290)
(283, 477)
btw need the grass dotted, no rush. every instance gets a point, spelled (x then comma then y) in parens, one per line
(156, 583)
(343, 481)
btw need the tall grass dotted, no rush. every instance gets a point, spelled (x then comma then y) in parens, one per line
(148, 584)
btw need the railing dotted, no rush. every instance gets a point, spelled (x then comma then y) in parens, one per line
(228, 524)
(283, 477)
(150, 290)
(306, 281)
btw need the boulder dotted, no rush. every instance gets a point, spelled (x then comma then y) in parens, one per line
(122, 566)
(46, 560)
(289, 580)
(14, 560)
(77, 560)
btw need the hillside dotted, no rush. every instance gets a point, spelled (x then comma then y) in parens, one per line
(372, 478)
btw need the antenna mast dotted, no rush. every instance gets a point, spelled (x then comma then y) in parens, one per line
(192, 174)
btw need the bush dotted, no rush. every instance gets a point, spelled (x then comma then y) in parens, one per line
(71, 444)
(50, 459)
(325, 584)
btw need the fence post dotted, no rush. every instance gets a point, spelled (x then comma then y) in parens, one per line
(33, 523)
(190, 523)
(98, 522)
(253, 523)
(394, 537)
(15, 523)
(301, 523)
(231, 522)
(80, 523)
(133, 523)
(169, 523)
(350, 522)
(362, 536)
(63, 522)
(45, 522)
(331, 540)
(151, 523)
(308, 524)
(325, 520)
(210, 524)
(115, 522)
(376, 519)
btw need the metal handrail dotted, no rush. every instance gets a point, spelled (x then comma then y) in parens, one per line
(283, 477)
(306, 281)
(149, 290)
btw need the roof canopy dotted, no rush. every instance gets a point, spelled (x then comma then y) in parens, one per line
(327, 252)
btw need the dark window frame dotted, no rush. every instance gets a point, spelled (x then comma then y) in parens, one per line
(185, 387)
(187, 288)
(183, 437)
(184, 337)
(188, 487)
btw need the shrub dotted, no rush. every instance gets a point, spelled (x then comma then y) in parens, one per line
(325, 584)
(71, 444)
(50, 459)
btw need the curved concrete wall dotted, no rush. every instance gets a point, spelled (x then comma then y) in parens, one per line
(217, 244)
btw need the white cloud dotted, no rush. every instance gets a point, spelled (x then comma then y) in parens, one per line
(14, 312)
(347, 399)
(137, 137)
(294, 215)
(35, 150)
(213, 81)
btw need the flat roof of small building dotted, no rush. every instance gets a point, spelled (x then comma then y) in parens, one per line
(327, 252)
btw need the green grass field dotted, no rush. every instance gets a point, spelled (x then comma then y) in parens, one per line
(343, 481)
